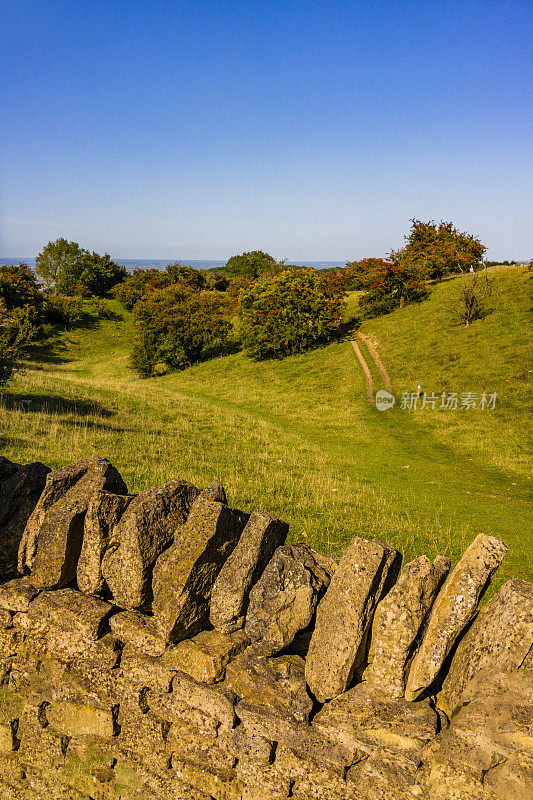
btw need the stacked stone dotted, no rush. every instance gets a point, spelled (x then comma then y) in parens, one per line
(170, 646)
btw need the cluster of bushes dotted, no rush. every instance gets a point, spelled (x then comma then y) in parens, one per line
(183, 316)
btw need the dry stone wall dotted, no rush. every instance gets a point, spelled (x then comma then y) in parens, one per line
(170, 646)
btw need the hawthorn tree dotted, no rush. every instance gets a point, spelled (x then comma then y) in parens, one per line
(138, 284)
(68, 269)
(394, 284)
(441, 250)
(55, 258)
(178, 326)
(289, 313)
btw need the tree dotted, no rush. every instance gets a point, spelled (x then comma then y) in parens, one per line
(95, 275)
(360, 274)
(177, 273)
(16, 333)
(289, 313)
(138, 284)
(250, 265)
(56, 258)
(441, 250)
(395, 283)
(471, 304)
(178, 326)
(19, 288)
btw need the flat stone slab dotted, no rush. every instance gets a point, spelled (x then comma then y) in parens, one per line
(70, 610)
(499, 640)
(453, 609)
(229, 599)
(139, 631)
(398, 621)
(145, 529)
(338, 644)
(184, 574)
(205, 657)
(103, 513)
(284, 600)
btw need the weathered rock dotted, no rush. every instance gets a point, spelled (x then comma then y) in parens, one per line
(284, 600)
(145, 529)
(338, 645)
(229, 599)
(20, 489)
(71, 611)
(453, 609)
(215, 491)
(398, 621)
(57, 538)
(487, 752)
(384, 775)
(58, 482)
(500, 639)
(139, 631)
(274, 683)
(215, 701)
(80, 719)
(363, 717)
(185, 573)
(103, 513)
(17, 594)
(206, 655)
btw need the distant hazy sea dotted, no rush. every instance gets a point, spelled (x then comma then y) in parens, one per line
(161, 263)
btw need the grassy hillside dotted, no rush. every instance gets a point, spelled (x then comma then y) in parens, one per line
(298, 437)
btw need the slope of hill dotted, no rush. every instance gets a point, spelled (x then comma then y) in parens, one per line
(298, 436)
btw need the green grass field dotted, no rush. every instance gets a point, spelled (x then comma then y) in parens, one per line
(297, 436)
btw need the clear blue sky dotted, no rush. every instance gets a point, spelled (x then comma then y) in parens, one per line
(312, 130)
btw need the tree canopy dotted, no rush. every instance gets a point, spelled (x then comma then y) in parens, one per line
(250, 265)
(177, 326)
(68, 269)
(289, 313)
(440, 250)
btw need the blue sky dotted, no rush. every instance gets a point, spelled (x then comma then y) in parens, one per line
(312, 130)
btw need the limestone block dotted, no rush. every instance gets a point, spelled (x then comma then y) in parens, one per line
(144, 530)
(276, 683)
(338, 644)
(71, 611)
(499, 639)
(78, 719)
(21, 486)
(215, 491)
(229, 599)
(16, 595)
(139, 631)
(185, 573)
(453, 609)
(284, 600)
(398, 621)
(206, 655)
(103, 513)
(54, 534)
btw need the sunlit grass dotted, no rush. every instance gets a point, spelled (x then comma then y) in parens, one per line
(297, 437)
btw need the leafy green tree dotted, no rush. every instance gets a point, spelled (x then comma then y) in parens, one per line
(16, 333)
(250, 265)
(194, 278)
(56, 258)
(289, 313)
(441, 250)
(19, 288)
(138, 284)
(178, 326)
(97, 275)
(394, 284)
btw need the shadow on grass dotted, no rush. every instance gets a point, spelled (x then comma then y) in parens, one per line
(11, 441)
(54, 404)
